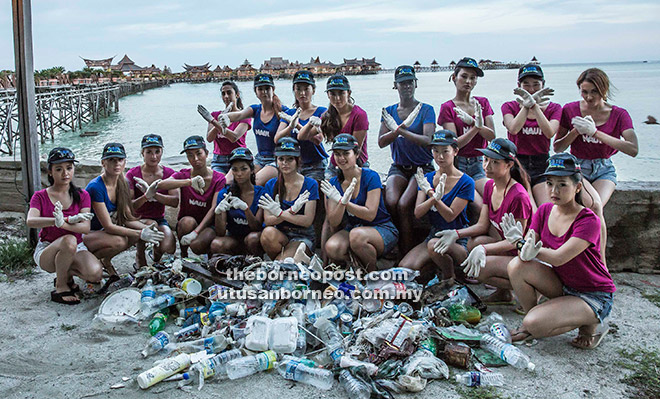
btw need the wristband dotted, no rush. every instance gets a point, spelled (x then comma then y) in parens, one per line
(520, 244)
(457, 235)
(290, 211)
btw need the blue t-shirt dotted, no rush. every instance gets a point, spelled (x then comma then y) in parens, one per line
(309, 184)
(405, 152)
(99, 193)
(237, 223)
(265, 132)
(464, 188)
(309, 152)
(369, 180)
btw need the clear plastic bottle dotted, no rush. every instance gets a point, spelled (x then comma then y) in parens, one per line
(248, 365)
(347, 361)
(156, 343)
(329, 333)
(355, 388)
(161, 302)
(212, 344)
(327, 312)
(301, 343)
(292, 369)
(494, 324)
(479, 379)
(147, 295)
(506, 352)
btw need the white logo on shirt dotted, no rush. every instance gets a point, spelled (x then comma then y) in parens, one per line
(197, 203)
(260, 132)
(532, 131)
(241, 221)
(592, 140)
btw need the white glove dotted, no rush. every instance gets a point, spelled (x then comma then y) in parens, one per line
(141, 184)
(348, 194)
(271, 205)
(153, 188)
(530, 248)
(462, 115)
(224, 120)
(330, 191)
(413, 115)
(475, 261)
(224, 205)
(188, 238)
(228, 108)
(422, 183)
(80, 217)
(315, 121)
(389, 121)
(299, 202)
(440, 188)
(585, 126)
(478, 116)
(542, 97)
(205, 113)
(284, 116)
(513, 231)
(524, 98)
(151, 234)
(292, 120)
(58, 214)
(238, 203)
(198, 183)
(446, 239)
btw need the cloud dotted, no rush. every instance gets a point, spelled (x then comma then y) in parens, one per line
(187, 45)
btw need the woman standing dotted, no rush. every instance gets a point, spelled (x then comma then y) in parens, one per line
(114, 229)
(355, 193)
(471, 118)
(407, 128)
(62, 212)
(199, 187)
(564, 235)
(238, 225)
(531, 121)
(289, 203)
(148, 202)
(443, 195)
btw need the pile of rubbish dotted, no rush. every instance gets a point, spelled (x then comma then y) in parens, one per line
(371, 344)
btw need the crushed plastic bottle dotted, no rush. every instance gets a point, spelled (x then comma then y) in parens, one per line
(156, 343)
(479, 379)
(506, 352)
(161, 302)
(295, 370)
(248, 365)
(355, 388)
(330, 335)
(494, 324)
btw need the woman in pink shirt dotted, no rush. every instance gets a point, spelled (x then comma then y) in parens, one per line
(560, 258)
(62, 212)
(490, 252)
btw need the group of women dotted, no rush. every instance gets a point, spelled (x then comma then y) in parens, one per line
(537, 230)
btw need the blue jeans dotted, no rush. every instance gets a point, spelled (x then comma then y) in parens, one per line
(220, 163)
(264, 160)
(387, 231)
(599, 302)
(315, 170)
(598, 169)
(473, 166)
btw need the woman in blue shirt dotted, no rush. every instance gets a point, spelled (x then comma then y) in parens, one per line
(443, 195)
(355, 193)
(407, 128)
(289, 203)
(237, 225)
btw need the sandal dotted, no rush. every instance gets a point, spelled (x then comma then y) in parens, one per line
(519, 309)
(109, 281)
(596, 336)
(75, 288)
(59, 297)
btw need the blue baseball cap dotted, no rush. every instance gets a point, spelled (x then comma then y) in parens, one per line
(404, 73)
(304, 76)
(344, 141)
(192, 143)
(444, 137)
(287, 146)
(263, 79)
(467, 62)
(152, 140)
(60, 155)
(113, 150)
(562, 164)
(530, 70)
(500, 148)
(241, 154)
(337, 82)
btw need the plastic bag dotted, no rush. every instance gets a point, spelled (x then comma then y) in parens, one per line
(425, 365)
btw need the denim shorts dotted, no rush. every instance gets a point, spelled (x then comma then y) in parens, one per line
(42, 245)
(461, 241)
(598, 169)
(600, 302)
(408, 171)
(534, 166)
(473, 166)
(300, 234)
(220, 163)
(162, 222)
(315, 170)
(332, 170)
(264, 160)
(387, 231)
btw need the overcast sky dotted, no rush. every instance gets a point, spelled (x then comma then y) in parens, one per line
(169, 32)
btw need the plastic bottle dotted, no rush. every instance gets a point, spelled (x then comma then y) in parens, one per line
(187, 332)
(156, 343)
(187, 312)
(329, 333)
(248, 365)
(161, 302)
(327, 312)
(297, 371)
(157, 323)
(494, 324)
(346, 361)
(212, 344)
(163, 370)
(460, 312)
(354, 387)
(212, 366)
(506, 352)
(479, 379)
(147, 295)
(301, 343)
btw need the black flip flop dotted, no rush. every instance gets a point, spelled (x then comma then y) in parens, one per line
(73, 289)
(109, 281)
(59, 297)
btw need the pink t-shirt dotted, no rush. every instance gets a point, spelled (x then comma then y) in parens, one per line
(447, 114)
(150, 209)
(530, 140)
(586, 271)
(41, 201)
(357, 121)
(193, 203)
(585, 147)
(224, 146)
(516, 201)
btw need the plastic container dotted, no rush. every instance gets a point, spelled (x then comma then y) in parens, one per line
(506, 352)
(283, 335)
(479, 379)
(327, 312)
(259, 333)
(163, 370)
(296, 371)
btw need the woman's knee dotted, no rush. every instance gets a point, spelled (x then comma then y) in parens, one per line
(336, 248)
(69, 244)
(186, 224)
(534, 323)
(253, 240)
(269, 238)
(515, 267)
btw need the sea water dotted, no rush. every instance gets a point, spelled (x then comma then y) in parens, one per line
(171, 111)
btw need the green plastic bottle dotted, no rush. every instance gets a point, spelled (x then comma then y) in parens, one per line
(157, 323)
(460, 312)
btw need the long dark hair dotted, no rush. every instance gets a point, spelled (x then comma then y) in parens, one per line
(519, 174)
(239, 101)
(577, 178)
(331, 122)
(74, 191)
(358, 162)
(235, 189)
(280, 187)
